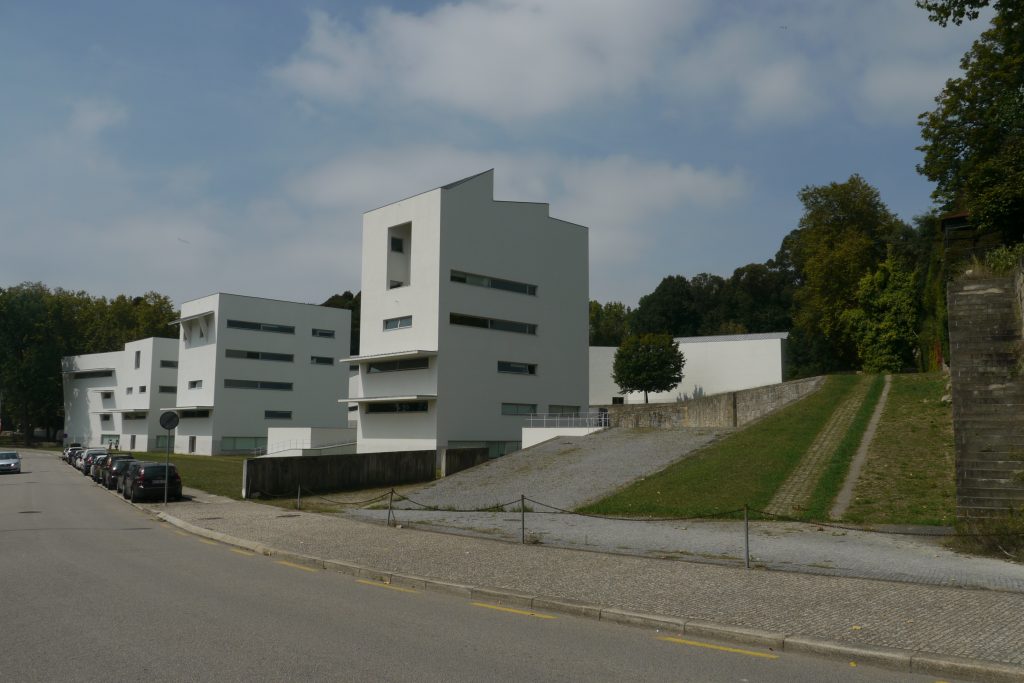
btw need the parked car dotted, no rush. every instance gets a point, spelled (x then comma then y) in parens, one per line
(72, 453)
(10, 461)
(148, 481)
(87, 458)
(112, 467)
(128, 473)
(66, 454)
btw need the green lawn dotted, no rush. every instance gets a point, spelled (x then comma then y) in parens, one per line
(218, 474)
(743, 468)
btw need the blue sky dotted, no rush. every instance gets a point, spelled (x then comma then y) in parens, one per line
(196, 147)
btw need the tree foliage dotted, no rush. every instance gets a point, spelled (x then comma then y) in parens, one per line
(884, 322)
(351, 302)
(648, 362)
(609, 323)
(974, 138)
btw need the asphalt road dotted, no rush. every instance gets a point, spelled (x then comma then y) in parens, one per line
(92, 589)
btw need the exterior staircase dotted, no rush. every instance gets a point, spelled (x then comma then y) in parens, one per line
(988, 395)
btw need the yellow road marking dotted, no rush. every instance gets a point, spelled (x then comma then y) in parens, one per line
(180, 533)
(242, 552)
(722, 648)
(295, 566)
(380, 584)
(525, 613)
(208, 542)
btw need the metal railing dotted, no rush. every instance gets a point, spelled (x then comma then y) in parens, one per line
(591, 420)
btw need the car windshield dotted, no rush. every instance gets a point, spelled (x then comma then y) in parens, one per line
(8, 455)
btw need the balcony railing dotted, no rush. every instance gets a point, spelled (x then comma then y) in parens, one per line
(549, 420)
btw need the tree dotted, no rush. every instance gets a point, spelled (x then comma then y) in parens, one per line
(29, 362)
(884, 323)
(974, 138)
(351, 302)
(608, 323)
(648, 362)
(668, 309)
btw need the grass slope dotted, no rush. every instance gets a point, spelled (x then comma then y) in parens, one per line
(743, 468)
(910, 475)
(218, 474)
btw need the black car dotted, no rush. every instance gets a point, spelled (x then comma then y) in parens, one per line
(112, 476)
(128, 473)
(149, 480)
(107, 467)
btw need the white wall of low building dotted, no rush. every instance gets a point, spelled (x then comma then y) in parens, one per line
(88, 399)
(714, 365)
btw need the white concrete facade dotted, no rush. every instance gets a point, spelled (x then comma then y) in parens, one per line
(471, 309)
(248, 364)
(714, 365)
(115, 398)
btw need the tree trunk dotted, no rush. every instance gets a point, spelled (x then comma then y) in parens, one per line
(645, 397)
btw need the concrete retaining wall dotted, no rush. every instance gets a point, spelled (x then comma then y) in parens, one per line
(733, 409)
(282, 476)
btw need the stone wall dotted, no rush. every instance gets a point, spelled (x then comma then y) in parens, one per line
(733, 409)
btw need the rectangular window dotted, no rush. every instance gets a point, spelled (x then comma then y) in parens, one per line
(166, 389)
(194, 413)
(277, 414)
(142, 389)
(328, 334)
(618, 400)
(256, 384)
(131, 442)
(397, 407)
(168, 363)
(133, 416)
(563, 410)
(195, 384)
(161, 442)
(129, 390)
(106, 394)
(398, 323)
(321, 360)
(191, 444)
(242, 443)
(259, 355)
(93, 374)
(106, 417)
(492, 323)
(261, 327)
(138, 359)
(395, 284)
(395, 365)
(517, 368)
(518, 408)
(397, 245)
(494, 283)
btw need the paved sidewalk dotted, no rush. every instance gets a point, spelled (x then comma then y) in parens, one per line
(970, 634)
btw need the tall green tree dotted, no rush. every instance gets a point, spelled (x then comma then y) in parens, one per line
(974, 138)
(609, 323)
(648, 362)
(668, 309)
(351, 302)
(884, 321)
(29, 360)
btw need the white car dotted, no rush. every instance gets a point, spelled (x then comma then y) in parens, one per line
(10, 461)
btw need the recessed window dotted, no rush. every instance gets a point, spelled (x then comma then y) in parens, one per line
(494, 283)
(518, 408)
(138, 415)
(168, 363)
(93, 374)
(563, 410)
(256, 384)
(138, 359)
(492, 323)
(397, 407)
(142, 389)
(517, 368)
(166, 389)
(106, 394)
(321, 360)
(395, 284)
(397, 245)
(259, 355)
(194, 413)
(398, 323)
(618, 400)
(195, 384)
(129, 390)
(328, 334)
(106, 417)
(395, 365)
(277, 414)
(261, 327)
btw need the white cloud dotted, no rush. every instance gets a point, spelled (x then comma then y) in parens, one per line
(90, 117)
(503, 60)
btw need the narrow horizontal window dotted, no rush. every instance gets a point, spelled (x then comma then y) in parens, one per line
(494, 283)
(328, 334)
(277, 414)
(168, 363)
(106, 394)
(195, 384)
(518, 408)
(517, 368)
(261, 327)
(93, 374)
(321, 360)
(259, 355)
(256, 384)
(563, 410)
(492, 323)
(395, 365)
(134, 416)
(397, 407)
(167, 389)
(194, 413)
(398, 323)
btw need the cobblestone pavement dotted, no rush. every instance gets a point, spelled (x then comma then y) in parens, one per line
(978, 624)
(565, 471)
(787, 546)
(794, 493)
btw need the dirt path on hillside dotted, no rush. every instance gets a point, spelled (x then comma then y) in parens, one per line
(845, 496)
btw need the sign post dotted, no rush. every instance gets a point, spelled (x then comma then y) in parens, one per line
(168, 421)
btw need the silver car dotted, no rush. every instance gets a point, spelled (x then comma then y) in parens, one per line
(10, 461)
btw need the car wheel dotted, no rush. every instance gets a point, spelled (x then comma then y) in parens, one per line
(133, 495)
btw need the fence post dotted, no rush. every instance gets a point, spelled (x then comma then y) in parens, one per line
(522, 517)
(391, 497)
(298, 498)
(746, 537)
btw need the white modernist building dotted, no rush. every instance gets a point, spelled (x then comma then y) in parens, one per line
(116, 398)
(474, 315)
(247, 364)
(714, 365)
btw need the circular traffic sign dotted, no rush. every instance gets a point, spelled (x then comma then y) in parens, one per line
(169, 420)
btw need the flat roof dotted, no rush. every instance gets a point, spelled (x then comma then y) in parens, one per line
(209, 407)
(391, 355)
(186, 318)
(389, 399)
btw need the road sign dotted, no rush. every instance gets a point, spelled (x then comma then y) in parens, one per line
(169, 420)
